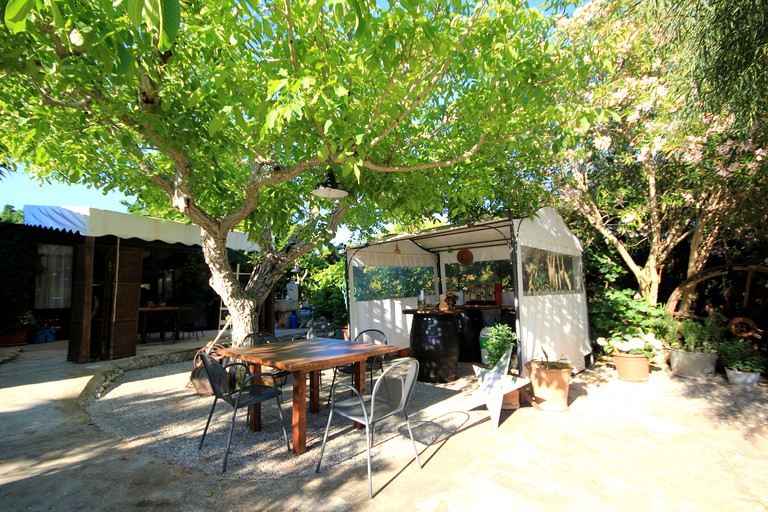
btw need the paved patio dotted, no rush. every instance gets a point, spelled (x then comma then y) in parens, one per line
(667, 444)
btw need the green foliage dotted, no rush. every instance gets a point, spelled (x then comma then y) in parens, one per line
(722, 46)
(623, 311)
(500, 339)
(697, 336)
(325, 290)
(11, 215)
(739, 354)
(372, 283)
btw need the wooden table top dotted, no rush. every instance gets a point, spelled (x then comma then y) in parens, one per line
(307, 355)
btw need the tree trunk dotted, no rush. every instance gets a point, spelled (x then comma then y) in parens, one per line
(702, 242)
(243, 303)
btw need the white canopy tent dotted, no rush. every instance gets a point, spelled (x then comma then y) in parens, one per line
(550, 300)
(95, 222)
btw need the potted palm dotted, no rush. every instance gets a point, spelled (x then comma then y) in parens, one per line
(693, 349)
(743, 363)
(633, 353)
(501, 338)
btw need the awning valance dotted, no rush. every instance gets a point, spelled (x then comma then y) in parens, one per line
(94, 222)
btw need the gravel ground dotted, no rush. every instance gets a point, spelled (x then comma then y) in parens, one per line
(154, 410)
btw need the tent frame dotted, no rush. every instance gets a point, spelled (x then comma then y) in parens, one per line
(485, 237)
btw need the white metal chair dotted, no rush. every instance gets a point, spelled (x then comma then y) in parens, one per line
(391, 394)
(374, 336)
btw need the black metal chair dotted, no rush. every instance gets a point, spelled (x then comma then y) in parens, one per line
(247, 394)
(390, 395)
(374, 336)
(279, 377)
(191, 320)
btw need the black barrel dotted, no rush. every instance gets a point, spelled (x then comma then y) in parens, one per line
(470, 324)
(435, 344)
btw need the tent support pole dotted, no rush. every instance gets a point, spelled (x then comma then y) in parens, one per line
(514, 257)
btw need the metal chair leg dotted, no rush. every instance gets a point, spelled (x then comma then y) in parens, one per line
(325, 438)
(210, 414)
(229, 441)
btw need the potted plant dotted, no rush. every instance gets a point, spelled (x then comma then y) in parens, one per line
(550, 382)
(501, 338)
(743, 363)
(693, 348)
(632, 353)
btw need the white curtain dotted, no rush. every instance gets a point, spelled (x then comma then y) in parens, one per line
(53, 288)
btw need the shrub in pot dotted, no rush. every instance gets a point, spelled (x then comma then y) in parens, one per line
(632, 353)
(693, 352)
(743, 363)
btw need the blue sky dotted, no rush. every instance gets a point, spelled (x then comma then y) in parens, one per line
(17, 189)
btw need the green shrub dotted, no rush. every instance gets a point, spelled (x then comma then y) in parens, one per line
(501, 338)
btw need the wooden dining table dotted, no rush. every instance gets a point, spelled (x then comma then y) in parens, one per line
(302, 358)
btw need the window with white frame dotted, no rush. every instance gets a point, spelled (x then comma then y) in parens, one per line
(53, 288)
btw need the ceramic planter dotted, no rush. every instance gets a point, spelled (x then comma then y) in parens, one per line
(692, 365)
(738, 378)
(632, 367)
(550, 386)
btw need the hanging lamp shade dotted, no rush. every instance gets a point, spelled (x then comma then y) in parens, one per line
(330, 188)
(397, 248)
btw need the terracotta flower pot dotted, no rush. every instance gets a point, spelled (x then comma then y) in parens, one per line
(632, 367)
(550, 385)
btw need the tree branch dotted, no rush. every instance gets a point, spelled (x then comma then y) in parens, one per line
(432, 165)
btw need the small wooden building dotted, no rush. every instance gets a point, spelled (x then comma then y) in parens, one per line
(103, 266)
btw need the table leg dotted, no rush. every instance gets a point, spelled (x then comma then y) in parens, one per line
(255, 409)
(299, 419)
(144, 328)
(359, 382)
(314, 391)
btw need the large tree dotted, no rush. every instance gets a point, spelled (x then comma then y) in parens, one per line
(230, 114)
(648, 178)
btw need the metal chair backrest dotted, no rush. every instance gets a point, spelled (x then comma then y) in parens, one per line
(218, 378)
(259, 338)
(393, 388)
(371, 336)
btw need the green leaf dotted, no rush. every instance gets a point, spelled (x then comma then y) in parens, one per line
(584, 123)
(124, 59)
(151, 13)
(327, 125)
(360, 23)
(169, 24)
(216, 124)
(16, 12)
(269, 122)
(58, 19)
(133, 9)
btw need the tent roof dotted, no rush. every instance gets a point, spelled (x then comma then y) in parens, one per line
(95, 222)
(548, 228)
